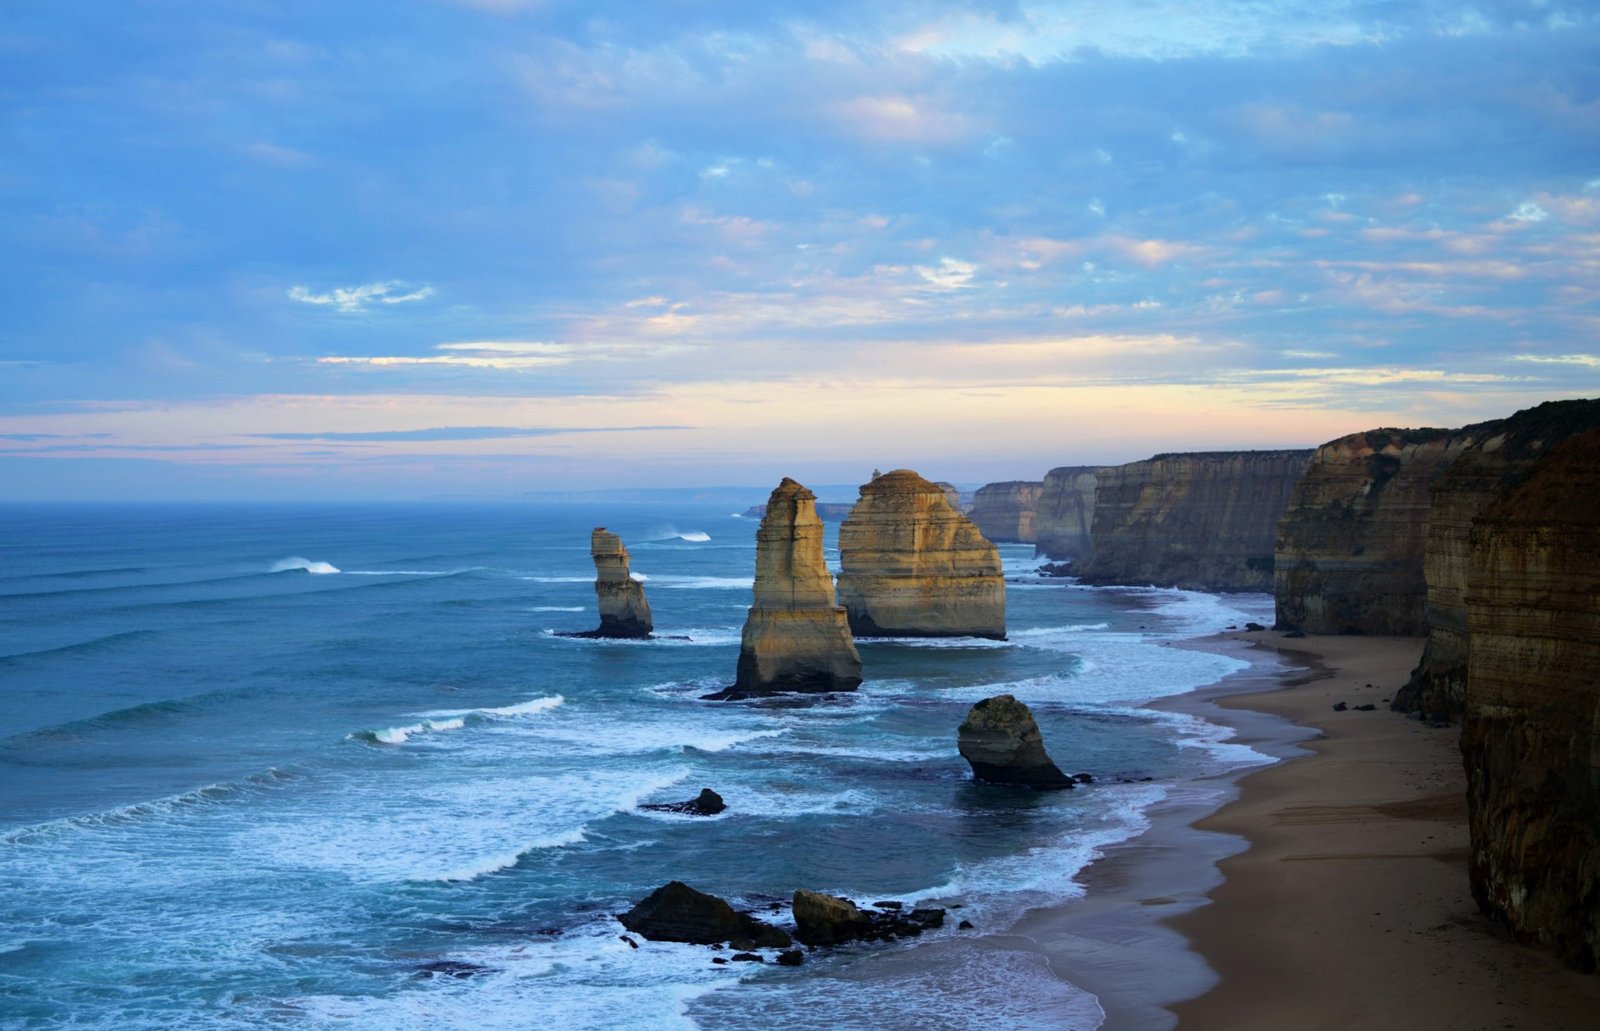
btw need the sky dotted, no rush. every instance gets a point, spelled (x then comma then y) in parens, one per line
(297, 249)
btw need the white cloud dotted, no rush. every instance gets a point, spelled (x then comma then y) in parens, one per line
(356, 298)
(1591, 360)
(950, 275)
(1528, 211)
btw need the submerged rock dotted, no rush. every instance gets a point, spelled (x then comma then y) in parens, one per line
(707, 803)
(1001, 742)
(676, 912)
(623, 611)
(795, 637)
(829, 920)
(910, 565)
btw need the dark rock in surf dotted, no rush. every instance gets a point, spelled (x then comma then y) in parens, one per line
(1001, 742)
(676, 912)
(829, 920)
(707, 803)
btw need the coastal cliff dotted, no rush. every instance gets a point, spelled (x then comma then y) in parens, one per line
(1502, 455)
(1006, 511)
(1064, 513)
(1350, 545)
(1203, 521)
(910, 565)
(623, 609)
(795, 637)
(1530, 736)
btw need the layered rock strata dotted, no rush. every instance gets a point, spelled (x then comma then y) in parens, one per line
(1001, 742)
(1064, 513)
(1502, 455)
(1006, 511)
(1350, 545)
(1530, 736)
(623, 609)
(910, 565)
(1202, 521)
(796, 637)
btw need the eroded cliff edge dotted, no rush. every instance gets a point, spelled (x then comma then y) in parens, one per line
(1064, 514)
(910, 565)
(1350, 545)
(1530, 736)
(1006, 511)
(1203, 521)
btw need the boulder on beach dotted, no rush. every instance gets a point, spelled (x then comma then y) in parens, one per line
(1002, 744)
(676, 912)
(830, 920)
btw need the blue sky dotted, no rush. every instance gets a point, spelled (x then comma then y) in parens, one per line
(303, 249)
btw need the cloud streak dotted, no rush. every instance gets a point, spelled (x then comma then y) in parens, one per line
(359, 298)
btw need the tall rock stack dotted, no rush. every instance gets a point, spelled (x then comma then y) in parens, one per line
(912, 566)
(623, 610)
(796, 637)
(1006, 511)
(1531, 733)
(1064, 515)
(1350, 546)
(1502, 455)
(1203, 521)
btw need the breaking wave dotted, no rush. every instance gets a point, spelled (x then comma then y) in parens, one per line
(287, 564)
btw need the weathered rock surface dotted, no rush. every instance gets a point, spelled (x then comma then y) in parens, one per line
(1502, 454)
(1203, 521)
(1064, 514)
(1006, 511)
(676, 912)
(796, 637)
(1002, 744)
(829, 920)
(623, 610)
(707, 803)
(827, 511)
(1530, 736)
(910, 565)
(1350, 545)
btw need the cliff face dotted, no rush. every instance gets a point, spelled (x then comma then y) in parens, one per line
(1006, 511)
(1502, 455)
(795, 637)
(912, 566)
(1064, 514)
(1204, 521)
(1531, 732)
(1349, 555)
(623, 610)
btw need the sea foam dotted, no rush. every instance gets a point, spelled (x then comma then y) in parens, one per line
(287, 564)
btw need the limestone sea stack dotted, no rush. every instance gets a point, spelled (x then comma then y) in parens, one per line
(1064, 514)
(910, 565)
(1002, 744)
(1530, 737)
(1007, 511)
(623, 610)
(1350, 545)
(795, 637)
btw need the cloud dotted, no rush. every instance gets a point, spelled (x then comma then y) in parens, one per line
(1591, 360)
(950, 275)
(356, 298)
(460, 433)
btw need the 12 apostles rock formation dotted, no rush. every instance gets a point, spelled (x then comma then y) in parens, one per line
(623, 610)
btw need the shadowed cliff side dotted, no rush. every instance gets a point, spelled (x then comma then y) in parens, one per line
(1006, 511)
(1349, 551)
(1504, 454)
(795, 637)
(1530, 736)
(1064, 515)
(1202, 521)
(910, 565)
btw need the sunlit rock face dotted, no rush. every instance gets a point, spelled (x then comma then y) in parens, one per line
(1530, 735)
(1005, 512)
(1064, 513)
(1202, 521)
(796, 637)
(913, 566)
(623, 609)
(1502, 455)
(1350, 546)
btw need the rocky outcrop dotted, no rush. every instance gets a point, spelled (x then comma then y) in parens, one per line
(1002, 744)
(1350, 545)
(1064, 514)
(960, 500)
(1006, 511)
(706, 803)
(795, 637)
(1501, 455)
(830, 920)
(623, 611)
(910, 565)
(1530, 735)
(676, 912)
(1203, 521)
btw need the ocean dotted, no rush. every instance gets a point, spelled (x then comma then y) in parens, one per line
(260, 765)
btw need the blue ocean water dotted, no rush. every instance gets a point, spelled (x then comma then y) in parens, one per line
(260, 764)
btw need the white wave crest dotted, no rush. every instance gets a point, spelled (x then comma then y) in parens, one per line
(505, 861)
(527, 708)
(296, 562)
(400, 735)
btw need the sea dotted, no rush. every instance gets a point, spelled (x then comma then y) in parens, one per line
(331, 766)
